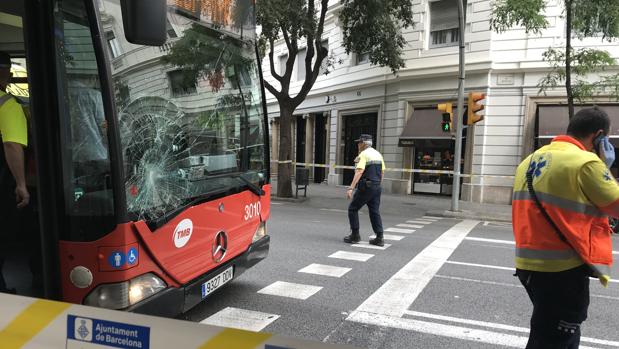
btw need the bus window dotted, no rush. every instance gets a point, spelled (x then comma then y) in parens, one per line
(88, 191)
(190, 111)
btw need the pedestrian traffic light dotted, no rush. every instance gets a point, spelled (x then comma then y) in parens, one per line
(474, 106)
(447, 109)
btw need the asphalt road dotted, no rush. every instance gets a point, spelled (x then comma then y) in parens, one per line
(445, 284)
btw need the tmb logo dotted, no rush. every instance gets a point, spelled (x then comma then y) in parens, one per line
(182, 233)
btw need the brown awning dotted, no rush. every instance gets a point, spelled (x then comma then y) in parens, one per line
(425, 124)
(553, 119)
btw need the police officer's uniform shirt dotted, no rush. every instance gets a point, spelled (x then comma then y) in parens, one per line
(13, 125)
(371, 161)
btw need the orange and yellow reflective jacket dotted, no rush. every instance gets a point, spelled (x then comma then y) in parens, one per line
(576, 188)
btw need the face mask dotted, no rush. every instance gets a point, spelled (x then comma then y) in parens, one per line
(605, 150)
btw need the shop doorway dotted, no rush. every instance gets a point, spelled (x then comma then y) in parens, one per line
(320, 148)
(354, 126)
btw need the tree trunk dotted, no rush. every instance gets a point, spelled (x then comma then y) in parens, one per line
(568, 58)
(284, 170)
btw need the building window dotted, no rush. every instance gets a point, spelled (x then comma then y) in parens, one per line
(113, 44)
(301, 64)
(324, 66)
(362, 58)
(180, 85)
(282, 64)
(444, 23)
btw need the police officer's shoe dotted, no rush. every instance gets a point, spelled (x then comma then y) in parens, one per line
(352, 239)
(378, 241)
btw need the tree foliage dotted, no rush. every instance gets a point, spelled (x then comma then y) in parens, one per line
(361, 35)
(569, 66)
(369, 26)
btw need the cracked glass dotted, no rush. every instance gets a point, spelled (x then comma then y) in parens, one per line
(190, 111)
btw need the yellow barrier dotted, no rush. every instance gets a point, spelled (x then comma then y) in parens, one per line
(30, 323)
(404, 170)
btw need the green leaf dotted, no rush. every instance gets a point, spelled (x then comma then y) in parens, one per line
(375, 27)
(528, 14)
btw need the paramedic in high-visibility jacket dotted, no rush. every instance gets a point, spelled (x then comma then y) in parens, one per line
(557, 251)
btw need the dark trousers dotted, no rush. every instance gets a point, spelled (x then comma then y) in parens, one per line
(560, 303)
(370, 196)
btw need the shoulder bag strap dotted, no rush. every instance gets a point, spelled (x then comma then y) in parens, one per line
(541, 207)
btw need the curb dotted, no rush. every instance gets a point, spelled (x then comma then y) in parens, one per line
(292, 199)
(471, 215)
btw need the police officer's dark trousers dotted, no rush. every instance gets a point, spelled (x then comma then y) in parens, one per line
(560, 303)
(366, 194)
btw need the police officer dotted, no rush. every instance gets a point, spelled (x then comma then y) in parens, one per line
(562, 194)
(14, 134)
(366, 187)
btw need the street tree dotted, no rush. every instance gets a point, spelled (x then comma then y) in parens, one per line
(583, 71)
(369, 26)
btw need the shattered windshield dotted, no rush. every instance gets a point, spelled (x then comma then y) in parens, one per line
(190, 112)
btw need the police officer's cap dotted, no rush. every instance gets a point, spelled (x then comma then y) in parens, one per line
(5, 60)
(364, 138)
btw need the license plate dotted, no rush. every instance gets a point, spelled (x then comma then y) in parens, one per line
(216, 282)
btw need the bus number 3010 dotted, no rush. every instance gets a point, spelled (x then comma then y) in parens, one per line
(252, 210)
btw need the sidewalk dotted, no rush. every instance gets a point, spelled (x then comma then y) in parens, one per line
(325, 196)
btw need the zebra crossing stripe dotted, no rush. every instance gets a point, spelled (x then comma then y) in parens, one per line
(414, 226)
(400, 230)
(290, 290)
(248, 320)
(325, 270)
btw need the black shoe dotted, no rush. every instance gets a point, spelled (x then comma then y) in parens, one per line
(352, 239)
(377, 242)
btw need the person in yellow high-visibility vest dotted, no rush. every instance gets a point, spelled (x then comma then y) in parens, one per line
(563, 193)
(14, 135)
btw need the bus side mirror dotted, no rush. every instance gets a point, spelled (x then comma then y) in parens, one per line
(145, 21)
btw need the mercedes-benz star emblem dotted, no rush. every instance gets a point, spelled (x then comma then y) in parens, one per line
(220, 247)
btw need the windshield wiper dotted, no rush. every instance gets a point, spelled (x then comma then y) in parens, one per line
(252, 187)
(157, 223)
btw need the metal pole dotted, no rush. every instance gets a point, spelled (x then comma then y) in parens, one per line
(455, 194)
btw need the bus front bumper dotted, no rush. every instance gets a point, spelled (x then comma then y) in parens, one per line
(174, 301)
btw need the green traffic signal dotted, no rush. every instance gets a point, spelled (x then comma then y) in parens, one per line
(446, 127)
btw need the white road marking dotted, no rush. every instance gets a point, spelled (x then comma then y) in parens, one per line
(365, 244)
(496, 241)
(400, 230)
(240, 318)
(500, 268)
(499, 326)
(276, 203)
(418, 221)
(457, 278)
(396, 295)
(390, 237)
(480, 265)
(290, 290)
(334, 210)
(616, 253)
(432, 218)
(415, 226)
(508, 284)
(325, 270)
(438, 329)
(352, 256)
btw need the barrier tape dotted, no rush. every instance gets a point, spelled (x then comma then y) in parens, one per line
(404, 170)
(30, 323)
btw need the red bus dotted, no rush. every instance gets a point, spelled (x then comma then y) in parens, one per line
(148, 151)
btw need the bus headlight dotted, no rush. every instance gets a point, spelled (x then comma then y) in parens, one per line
(125, 294)
(260, 232)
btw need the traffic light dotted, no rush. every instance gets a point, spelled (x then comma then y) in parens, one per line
(474, 106)
(447, 109)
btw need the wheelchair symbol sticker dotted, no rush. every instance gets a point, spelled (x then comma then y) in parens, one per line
(132, 256)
